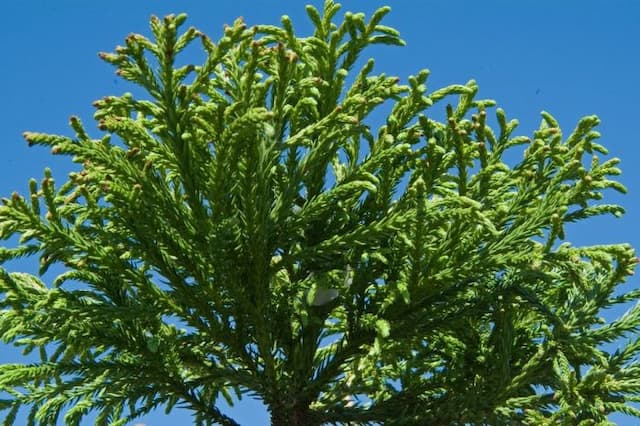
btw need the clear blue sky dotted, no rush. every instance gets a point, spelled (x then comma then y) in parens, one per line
(571, 58)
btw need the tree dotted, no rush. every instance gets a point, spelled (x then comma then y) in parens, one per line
(244, 231)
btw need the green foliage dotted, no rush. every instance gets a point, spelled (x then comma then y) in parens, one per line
(243, 230)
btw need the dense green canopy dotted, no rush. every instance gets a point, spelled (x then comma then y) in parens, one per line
(248, 229)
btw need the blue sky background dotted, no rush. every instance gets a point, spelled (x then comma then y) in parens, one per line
(571, 58)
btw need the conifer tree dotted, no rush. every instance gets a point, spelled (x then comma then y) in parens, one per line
(246, 229)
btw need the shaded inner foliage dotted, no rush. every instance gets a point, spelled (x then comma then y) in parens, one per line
(251, 234)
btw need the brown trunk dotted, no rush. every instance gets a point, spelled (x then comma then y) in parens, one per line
(298, 415)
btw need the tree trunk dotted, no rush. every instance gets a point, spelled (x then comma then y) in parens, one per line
(297, 415)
